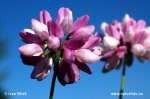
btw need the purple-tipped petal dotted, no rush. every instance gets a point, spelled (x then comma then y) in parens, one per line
(141, 24)
(30, 49)
(83, 32)
(112, 31)
(84, 67)
(40, 29)
(80, 22)
(140, 37)
(64, 18)
(45, 17)
(67, 73)
(41, 69)
(68, 55)
(62, 73)
(55, 29)
(86, 56)
(30, 60)
(127, 22)
(92, 42)
(111, 63)
(74, 73)
(28, 36)
(74, 44)
(53, 42)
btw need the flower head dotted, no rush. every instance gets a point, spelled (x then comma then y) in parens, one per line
(123, 40)
(63, 43)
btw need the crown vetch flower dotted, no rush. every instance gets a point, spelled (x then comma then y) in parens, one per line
(128, 37)
(66, 43)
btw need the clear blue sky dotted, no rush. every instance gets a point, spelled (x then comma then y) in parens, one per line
(15, 15)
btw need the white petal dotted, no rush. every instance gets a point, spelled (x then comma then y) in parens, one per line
(138, 49)
(103, 26)
(110, 42)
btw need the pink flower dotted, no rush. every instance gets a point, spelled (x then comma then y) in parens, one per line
(77, 52)
(49, 41)
(123, 38)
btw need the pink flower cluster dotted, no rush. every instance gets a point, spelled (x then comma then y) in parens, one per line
(63, 42)
(123, 40)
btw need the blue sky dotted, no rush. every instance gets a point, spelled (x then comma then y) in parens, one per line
(16, 15)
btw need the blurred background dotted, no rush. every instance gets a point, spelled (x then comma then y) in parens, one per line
(15, 76)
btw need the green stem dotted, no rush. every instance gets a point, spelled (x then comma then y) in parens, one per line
(52, 86)
(122, 80)
(56, 62)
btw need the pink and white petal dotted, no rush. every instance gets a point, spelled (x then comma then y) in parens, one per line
(141, 24)
(80, 22)
(138, 49)
(40, 29)
(64, 18)
(74, 44)
(83, 32)
(103, 27)
(110, 42)
(92, 42)
(86, 56)
(74, 73)
(146, 43)
(55, 29)
(29, 37)
(30, 49)
(140, 37)
(28, 31)
(45, 17)
(112, 31)
(129, 35)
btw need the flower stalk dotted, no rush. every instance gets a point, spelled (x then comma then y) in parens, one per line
(52, 86)
(122, 79)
